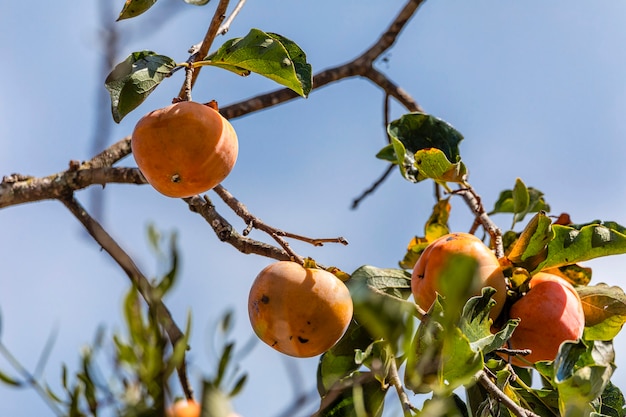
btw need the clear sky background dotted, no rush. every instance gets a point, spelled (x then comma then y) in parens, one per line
(538, 90)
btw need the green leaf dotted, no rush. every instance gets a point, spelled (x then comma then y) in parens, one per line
(418, 131)
(380, 301)
(133, 8)
(605, 311)
(442, 358)
(267, 54)
(574, 244)
(433, 163)
(521, 197)
(198, 2)
(520, 203)
(132, 80)
(476, 324)
(530, 249)
(581, 375)
(359, 395)
(338, 362)
(612, 402)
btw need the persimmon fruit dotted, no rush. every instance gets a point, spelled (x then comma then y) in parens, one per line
(184, 408)
(184, 149)
(427, 272)
(550, 313)
(299, 311)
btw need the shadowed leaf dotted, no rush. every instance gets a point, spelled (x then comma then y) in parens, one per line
(132, 80)
(605, 311)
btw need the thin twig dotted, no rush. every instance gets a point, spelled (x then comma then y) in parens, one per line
(493, 389)
(394, 381)
(229, 20)
(473, 201)
(254, 222)
(227, 233)
(218, 18)
(373, 187)
(138, 279)
(30, 379)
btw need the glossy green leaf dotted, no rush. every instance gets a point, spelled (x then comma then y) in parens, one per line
(197, 2)
(132, 80)
(414, 132)
(133, 8)
(574, 244)
(605, 311)
(267, 54)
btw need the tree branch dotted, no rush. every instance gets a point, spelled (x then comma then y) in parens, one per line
(227, 233)
(493, 390)
(138, 279)
(218, 18)
(360, 66)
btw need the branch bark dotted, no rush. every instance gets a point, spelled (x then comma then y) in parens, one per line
(139, 280)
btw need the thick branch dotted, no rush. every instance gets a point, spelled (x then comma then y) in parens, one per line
(16, 189)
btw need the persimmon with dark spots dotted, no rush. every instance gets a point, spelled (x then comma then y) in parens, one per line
(299, 311)
(428, 270)
(550, 313)
(184, 149)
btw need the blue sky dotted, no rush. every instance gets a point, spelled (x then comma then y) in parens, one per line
(537, 90)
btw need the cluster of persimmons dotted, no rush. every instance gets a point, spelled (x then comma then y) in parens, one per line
(188, 148)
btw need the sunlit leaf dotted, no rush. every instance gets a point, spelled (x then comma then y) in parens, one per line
(133, 8)
(575, 274)
(574, 244)
(267, 54)
(197, 2)
(132, 80)
(530, 249)
(605, 311)
(433, 163)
